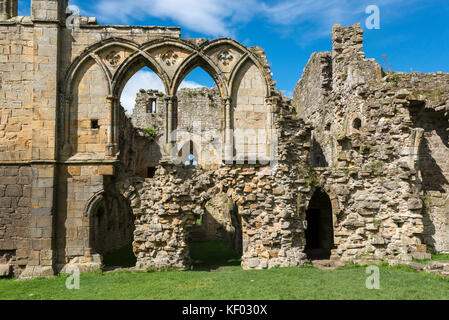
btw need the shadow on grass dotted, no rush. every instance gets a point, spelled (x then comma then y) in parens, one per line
(121, 258)
(212, 255)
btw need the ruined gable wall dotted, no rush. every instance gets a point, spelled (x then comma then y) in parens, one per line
(142, 119)
(373, 172)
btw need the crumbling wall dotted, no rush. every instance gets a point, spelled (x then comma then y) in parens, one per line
(167, 206)
(312, 101)
(139, 150)
(427, 97)
(372, 177)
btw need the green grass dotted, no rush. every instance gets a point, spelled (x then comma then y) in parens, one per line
(438, 256)
(212, 255)
(233, 283)
(219, 276)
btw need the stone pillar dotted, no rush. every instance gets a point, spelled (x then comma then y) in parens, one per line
(4, 15)
(271, 103)
(67, 105)
(171, 117)
(8, 9)
(46, 102)
(111, 147)
(13, 8)
(229, 137)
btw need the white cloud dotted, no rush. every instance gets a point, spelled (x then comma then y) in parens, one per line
(145, 79)
(312, 19)
(189, 84)
(211, 17)
(308, 18)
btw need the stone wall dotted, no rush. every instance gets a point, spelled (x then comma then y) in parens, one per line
(250, 113)
(312, 101)
(15, 201)
(143, 116)
(16, 98)
(370, 140)
(89, 140)
(199, 111)
(219, 222)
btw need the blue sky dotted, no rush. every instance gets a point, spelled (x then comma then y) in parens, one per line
(413, 34)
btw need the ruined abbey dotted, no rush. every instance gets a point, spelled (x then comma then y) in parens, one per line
(355, 167)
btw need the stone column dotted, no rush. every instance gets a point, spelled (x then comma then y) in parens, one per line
(8, 9)
(112, 128)
(271, 103)
(116, 108)
(171, 117)
(67, 105)
(4, 10)
(229, 140)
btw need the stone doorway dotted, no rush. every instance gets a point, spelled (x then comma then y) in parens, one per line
(111, 231)
(319, 232)
(216, 238)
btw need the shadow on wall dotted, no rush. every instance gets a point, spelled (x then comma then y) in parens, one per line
(318, 158)
(433, 164)
(433, 150)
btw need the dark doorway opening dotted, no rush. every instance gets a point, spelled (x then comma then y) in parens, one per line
(216, 239)
(320, 231)
(150, 172)
(112, 231)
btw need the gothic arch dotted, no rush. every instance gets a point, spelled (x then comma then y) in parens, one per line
(91, 52)
(198, 59)
(245, 55)
(131, 65)
(248, 57)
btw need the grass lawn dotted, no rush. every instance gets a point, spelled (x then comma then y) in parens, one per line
(229, 281)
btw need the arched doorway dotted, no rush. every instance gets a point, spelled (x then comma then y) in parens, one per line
(111, 230)
(319, 232)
